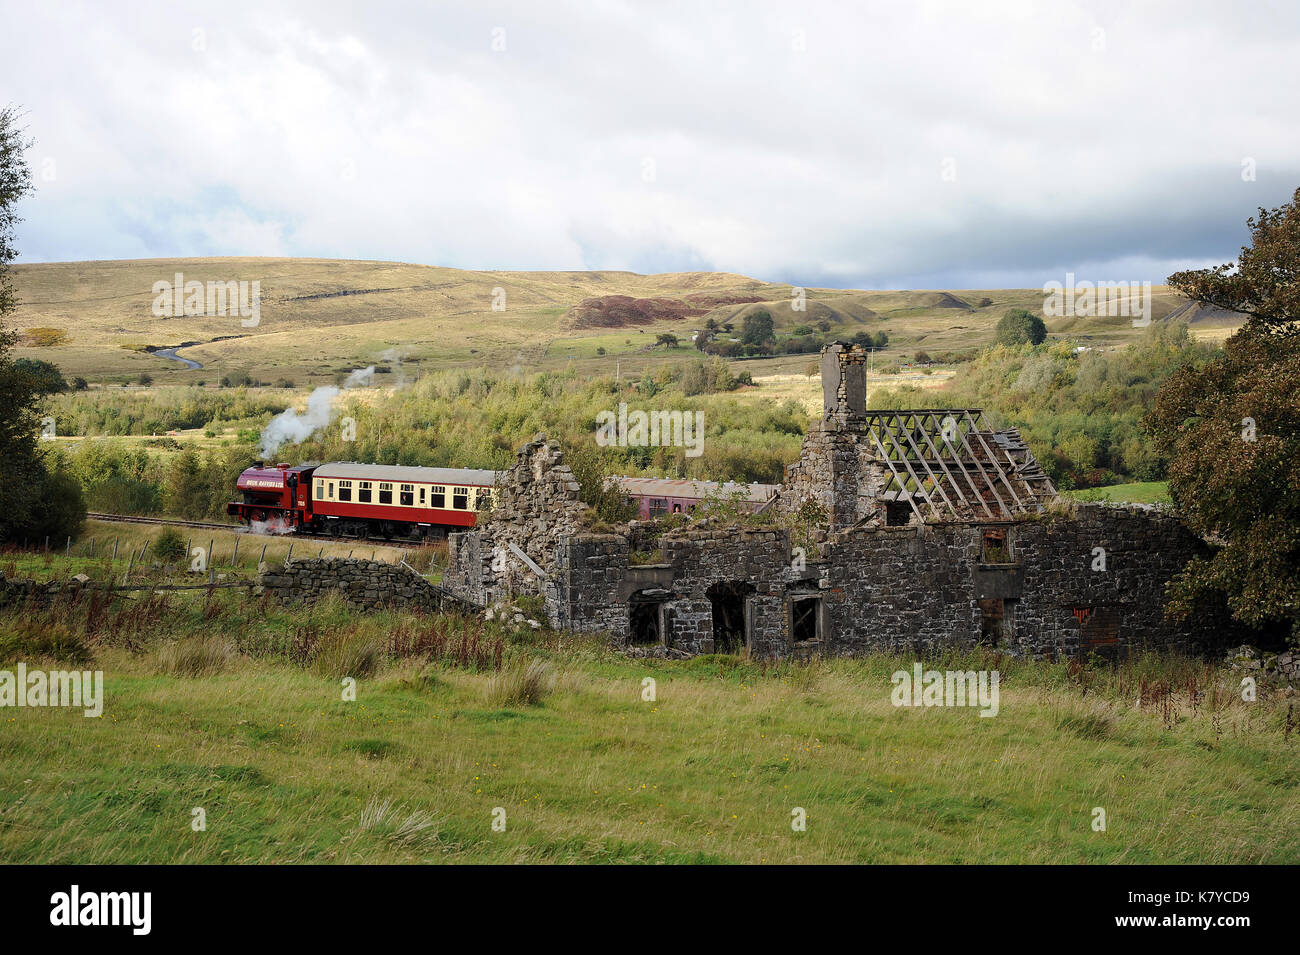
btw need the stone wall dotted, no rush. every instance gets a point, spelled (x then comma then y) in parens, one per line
(538, 509)
(919, 588)
(833, 472)
(363, 584)
(24, 590)
(914, 588)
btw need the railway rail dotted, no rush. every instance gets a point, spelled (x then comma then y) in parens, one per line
(242, 529)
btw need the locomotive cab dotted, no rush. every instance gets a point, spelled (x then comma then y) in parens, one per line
(279, 493)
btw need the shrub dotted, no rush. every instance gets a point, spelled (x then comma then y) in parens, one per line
(1020, 327)
(169, 545)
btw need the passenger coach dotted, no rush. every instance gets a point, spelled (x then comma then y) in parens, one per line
(355, 500)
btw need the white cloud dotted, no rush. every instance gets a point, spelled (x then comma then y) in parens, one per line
(805, 143)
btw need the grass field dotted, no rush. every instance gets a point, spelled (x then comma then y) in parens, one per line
(1139, 492)
(209, 705)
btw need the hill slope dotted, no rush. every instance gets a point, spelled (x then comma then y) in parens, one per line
(320, 317)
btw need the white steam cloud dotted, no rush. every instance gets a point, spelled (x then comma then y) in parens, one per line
(290, 427)
(360, 378)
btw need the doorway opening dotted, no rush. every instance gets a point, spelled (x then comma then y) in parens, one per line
(730, 626)
(646, 618)
(997, 622)
(805, 618)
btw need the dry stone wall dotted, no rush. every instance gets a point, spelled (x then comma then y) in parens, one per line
(363, 584)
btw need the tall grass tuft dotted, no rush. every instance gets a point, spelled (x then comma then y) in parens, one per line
(346, 653)
(194, 656)
(406, 829)
(43, 638)
(520, 684)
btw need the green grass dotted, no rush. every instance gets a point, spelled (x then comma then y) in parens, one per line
(1139, 492)
(710, 771)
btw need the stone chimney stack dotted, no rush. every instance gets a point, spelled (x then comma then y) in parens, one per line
(844, 381)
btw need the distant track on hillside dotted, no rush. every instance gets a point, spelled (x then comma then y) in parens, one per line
(242, 529)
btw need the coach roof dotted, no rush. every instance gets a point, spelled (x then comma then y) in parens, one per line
(411, 475)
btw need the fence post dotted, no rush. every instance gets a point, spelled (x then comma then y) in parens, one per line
(115, 540)
(67, 551)
(126, 577)
(234, 560)
(92, 548)
(263, 555)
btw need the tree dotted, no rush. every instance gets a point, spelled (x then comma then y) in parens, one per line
(757, 329)
(1020, 327)
(667, 339)
(703, 338)
(1231, 429)
(33, 502)
(45, 377)
(1264, 282)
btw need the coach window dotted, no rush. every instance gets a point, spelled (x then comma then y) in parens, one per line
(658, 505)
(482, 499)
(363, 492)
(407, 497)
(460, 498)
(345, 490)
(422, 493)
(385, 492)
(331, 490)
(437, 496)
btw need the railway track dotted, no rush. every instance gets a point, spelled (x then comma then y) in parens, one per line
(241, 529)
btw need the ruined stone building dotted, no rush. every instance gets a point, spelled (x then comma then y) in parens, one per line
(912, 530)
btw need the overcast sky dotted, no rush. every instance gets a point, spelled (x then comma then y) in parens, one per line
(890, 145)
